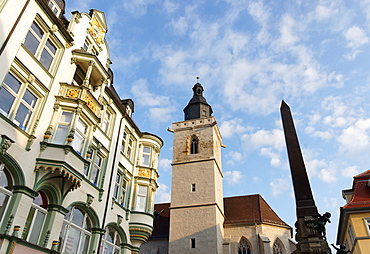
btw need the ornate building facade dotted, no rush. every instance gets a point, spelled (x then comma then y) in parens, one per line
(354, 220)
(76, 173)
(199, 219)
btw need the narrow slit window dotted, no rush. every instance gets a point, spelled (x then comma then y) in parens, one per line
(193, 187)
(192, 243)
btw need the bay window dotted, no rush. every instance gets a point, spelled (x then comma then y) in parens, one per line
(145, 157)
(80, 136)
(39, 43)
(62, 129)
(76, 232)
(141, 198)
(17, 101)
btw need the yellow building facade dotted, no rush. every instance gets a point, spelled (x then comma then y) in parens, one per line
(354, 222)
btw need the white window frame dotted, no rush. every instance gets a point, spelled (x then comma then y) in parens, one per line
(19, 101)
(54, 7)
(42, 44)
(146, 156)
(120, 189)
(351, 234)
(106, 121)
(89, 47)
(68, 225)
(95, 167)
(80, 133)
(38, 209)
(141, 201)
(367, 224)
(66, 126)
(5, 192)
(111, 244)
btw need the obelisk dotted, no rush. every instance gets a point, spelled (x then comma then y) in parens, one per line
(309, 238)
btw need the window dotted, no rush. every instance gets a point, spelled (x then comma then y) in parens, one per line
(54, 7)
(120, 189)
(194, 145)
(277, 248)
(61, 132)
(367, 223)
(88, 47)
(79, 76)
(244, 247)
(111, 241)
(141, 198)
(80, 136)
(192, 243)
(351, 234)
(106, 121)
(97, 166)
(193, 187)
(35, 219)
(124, 140)
(38, 42)
(76, 232)
(17, 98)
(129, 148)
(6, 186)
(145, 157)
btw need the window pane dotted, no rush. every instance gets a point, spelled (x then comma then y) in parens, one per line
(28, 222)
(66, 117)
(12, 82)
(3, 203)
(146, 149)
(36, 227)
(95, 175)
(31, 42)
(23, 116)
(78, 217)
(61, 134)
(78, 142)
(51, 46)
(38, 31)
(30, 98)
(6, 101)
(46, 59)
(140, 204)
(84, 244)
(72, 241)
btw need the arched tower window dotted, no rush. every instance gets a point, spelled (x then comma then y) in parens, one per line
(244, 247)
(277, 248)
(194, 143)
(6, 187)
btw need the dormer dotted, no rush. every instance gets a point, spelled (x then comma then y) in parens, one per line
(57, 6)
(129, 106)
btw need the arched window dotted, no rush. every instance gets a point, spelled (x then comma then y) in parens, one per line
(277, 247)
(194, 144)
(35, 219)
(244, 247)
(6, 187)
(111, 241)
(76, 232)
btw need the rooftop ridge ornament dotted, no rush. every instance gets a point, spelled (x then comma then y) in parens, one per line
(310, 225)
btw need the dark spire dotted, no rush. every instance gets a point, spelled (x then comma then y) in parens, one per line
(197, 106)
(302, 189)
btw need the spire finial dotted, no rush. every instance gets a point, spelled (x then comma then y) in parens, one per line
(198, 79)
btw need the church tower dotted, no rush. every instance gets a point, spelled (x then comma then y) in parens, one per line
(197, 211)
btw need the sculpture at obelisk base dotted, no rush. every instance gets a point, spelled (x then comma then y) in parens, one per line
(310, 225)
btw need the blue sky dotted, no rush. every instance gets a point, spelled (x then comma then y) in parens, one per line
(249, 56)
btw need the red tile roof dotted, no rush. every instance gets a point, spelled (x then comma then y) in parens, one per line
(248, 209)
(361, 191)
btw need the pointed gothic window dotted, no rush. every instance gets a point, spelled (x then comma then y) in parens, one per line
(277, 248)
(244, 247)
(194, 144)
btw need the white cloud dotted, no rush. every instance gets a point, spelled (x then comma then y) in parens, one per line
(170, 6)
(356, 37)
(274, 157)
(329, 174)
(274, 138)
(331, 202)
(356, 137)
(234, 177)
(163, 194)
(287, 30)
(234, 157)
(350, 172)
(278, 186)
(165, 164)
(232, 127)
